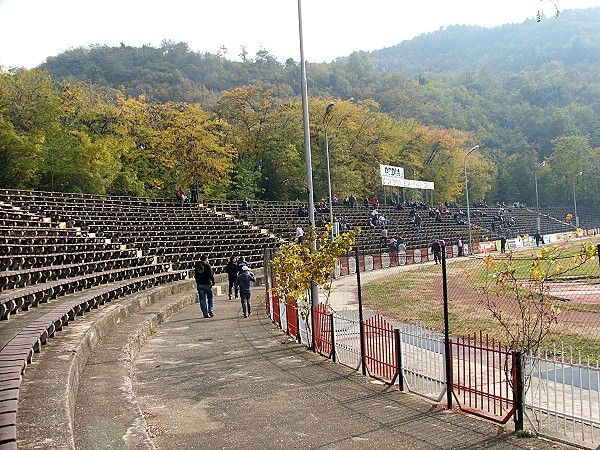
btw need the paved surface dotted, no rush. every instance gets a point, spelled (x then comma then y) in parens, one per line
(230, 382)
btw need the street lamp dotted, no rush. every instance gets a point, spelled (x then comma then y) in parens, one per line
(575, 199)
(468, 208)
(328, 110)
(537, 200)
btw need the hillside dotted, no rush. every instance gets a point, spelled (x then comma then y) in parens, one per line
(573, 39)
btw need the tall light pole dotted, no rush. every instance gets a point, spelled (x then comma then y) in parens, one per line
(537, 199)
(309, 176)
(575, 199)
(468, 207)
(328, 110)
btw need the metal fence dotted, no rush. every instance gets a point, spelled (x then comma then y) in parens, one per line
(563, 397)
(483, 377)
(401, 341)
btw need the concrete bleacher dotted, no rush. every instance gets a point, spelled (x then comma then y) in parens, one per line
(282, 218)
(73, 253)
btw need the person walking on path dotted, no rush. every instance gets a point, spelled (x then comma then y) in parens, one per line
(243, 284)
(459, 244)
(232, 272)
(241, 262)
(436, 249)
(205, 280)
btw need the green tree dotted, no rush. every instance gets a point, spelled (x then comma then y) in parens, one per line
(297, 267)
(570, 155)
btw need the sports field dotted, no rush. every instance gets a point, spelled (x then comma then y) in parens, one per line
(416, 296)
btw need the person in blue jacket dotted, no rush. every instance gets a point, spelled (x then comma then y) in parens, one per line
(243, 284)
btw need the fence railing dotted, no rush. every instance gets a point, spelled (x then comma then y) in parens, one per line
(381, 349)
(563, 396)
(483, 377)
(422, 361)
(560, 394)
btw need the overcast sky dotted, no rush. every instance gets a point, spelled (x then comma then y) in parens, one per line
(32, 30)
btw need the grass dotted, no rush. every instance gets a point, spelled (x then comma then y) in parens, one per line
(416, 297)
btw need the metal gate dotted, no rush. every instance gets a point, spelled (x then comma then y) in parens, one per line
(323, 330)
(292, 320)
(381, 349)
(483, 376)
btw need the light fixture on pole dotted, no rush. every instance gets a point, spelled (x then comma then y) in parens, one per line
(468, 208)
(309, 177)
(537, 199)
(575, 199)
(326, 118)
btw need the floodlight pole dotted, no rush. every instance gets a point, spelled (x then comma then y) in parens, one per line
(468, 207)
(537, 199)
(309, 175)
(575, 199)
(328, 109)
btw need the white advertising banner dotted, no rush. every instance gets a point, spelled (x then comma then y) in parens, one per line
(417, 184)
(391, 175)
(394, 176)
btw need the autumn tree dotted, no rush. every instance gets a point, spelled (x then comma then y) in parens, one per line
(298, 266)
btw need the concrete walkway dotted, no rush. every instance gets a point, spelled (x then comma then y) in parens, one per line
(230, 382)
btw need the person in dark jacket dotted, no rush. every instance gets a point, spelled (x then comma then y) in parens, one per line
(436, 249)
(241, 262)
(232, 272)
(205, 280)
(243, 284)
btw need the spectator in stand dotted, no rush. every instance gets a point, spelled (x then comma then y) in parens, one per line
(393, 245)
(374, 202)
(382, 220)
(194, 193)
(322, 206)
(366, 201)
(436, 249)
(299, 234)
(352, 201)
(401, 251)
(383, 241)
(344, 224)
(246, 204)
(205, 280)
(232, 272)
(418, 223)
(302, 211)
(181, 195)
(243, 284)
